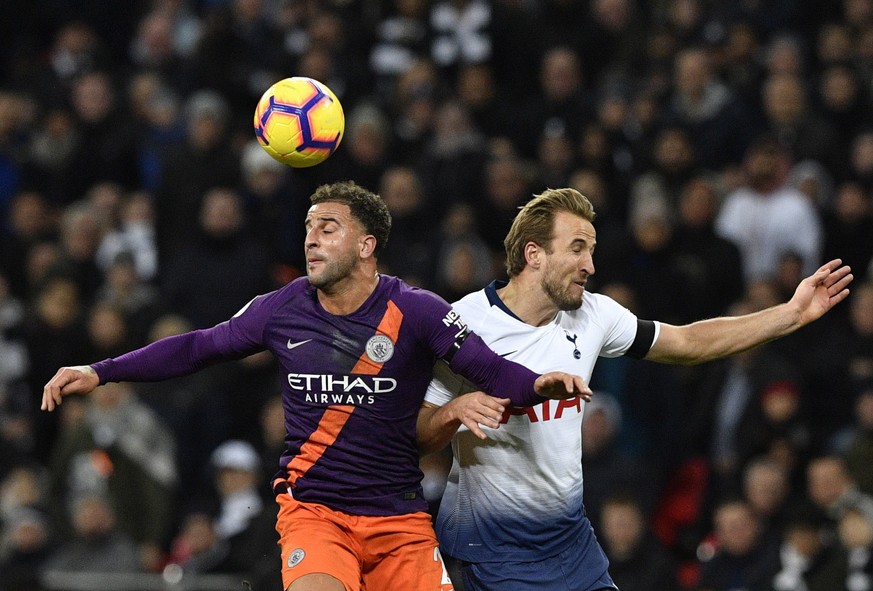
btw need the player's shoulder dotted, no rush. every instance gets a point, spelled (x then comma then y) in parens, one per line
(475, 302)
(291, 292)
(596, 307)
(297, 288)
(406, 295)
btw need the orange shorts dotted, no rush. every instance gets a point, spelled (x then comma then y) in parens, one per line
(365, 553)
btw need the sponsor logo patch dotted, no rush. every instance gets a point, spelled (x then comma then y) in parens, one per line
(296, 557)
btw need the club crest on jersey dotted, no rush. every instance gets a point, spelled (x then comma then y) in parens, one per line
(296, 557)
(380, 348)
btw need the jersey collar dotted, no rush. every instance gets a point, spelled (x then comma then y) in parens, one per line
(494, 299)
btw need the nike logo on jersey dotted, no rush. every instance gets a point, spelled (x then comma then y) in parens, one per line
(294, 345)
(508, 353)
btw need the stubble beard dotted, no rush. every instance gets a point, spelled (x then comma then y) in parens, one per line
(332, 273)
(559, 294)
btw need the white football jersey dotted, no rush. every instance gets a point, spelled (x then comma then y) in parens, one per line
(517, 495)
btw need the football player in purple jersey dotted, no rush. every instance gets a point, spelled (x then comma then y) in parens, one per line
(356, 349)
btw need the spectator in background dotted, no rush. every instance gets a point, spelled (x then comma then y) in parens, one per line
(53, 333)
(108, 331)
(31, 220)
(413, 229)
(855, 531)
(15, 416)
(766, 217)
(197, 548)
(708, 110)
(271, 441)
(723, 396)
(652, 272)
(766, 487)
(224, 266)
(555, 156)
(158, 109)
(861, 159)
(848, 225)
(482, 96)
(808, 559)
(274, 207)
(741, 560)
(81, 232)
(106, 144)
(858, 447)
(95, 545)
(455, 157)
(138, 301)
(637, 561)
(367, 147)
(400, 39)
(190, 168)
(195, 408)
(119, 445)
(832, 489)
(134, 236)
(858, 342)
(608, 469)
(799, 129)
(413, 110)
(561, 99)
(612, 45)
(26, 542)
(673, 167)
(241, 517)
(785, 54)
(844, 106)
(507, 187)
(51, 149)
(465, 265)
(814, 181)
(776, 421)
(710, 266)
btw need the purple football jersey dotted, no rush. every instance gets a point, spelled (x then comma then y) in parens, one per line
(351, 385)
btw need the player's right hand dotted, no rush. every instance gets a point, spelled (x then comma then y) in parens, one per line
(79, 379)
(558, 385)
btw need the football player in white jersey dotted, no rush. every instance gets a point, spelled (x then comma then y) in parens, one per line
(512, 512)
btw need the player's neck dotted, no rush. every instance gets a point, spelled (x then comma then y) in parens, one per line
(527, 301)
(347, 295)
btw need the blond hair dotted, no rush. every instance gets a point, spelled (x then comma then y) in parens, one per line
(535, 223)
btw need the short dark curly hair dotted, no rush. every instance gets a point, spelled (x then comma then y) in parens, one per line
(366, 207)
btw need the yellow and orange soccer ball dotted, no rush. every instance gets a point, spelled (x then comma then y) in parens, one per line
(299, 121)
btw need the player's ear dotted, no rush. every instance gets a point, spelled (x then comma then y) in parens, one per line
(533, 255)
(367, 245)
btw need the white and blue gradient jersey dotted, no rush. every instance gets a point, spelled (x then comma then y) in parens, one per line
(517, 495)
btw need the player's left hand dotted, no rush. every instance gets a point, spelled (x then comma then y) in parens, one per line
(478, 408)
(822, 290)
(558, 385)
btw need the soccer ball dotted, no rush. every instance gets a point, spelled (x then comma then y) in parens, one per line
(299, 122)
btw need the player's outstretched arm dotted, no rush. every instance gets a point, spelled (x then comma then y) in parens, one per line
(437, 424)
(79, 379)
(719, 337)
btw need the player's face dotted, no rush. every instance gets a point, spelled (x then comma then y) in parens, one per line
(332, 244)
(570, 263)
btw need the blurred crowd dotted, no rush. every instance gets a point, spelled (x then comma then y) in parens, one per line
(727, 148)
